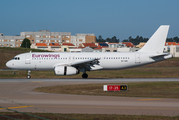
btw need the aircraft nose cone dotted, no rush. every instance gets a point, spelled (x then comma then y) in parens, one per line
(8, 64)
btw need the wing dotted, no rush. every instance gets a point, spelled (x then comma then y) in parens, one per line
(87, 65)
(92, 64)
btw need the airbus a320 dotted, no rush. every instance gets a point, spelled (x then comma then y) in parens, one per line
(73, 63)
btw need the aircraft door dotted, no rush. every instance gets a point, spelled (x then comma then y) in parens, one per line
(27, 59)
(137, 58)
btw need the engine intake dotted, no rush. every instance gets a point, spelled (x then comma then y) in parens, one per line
(65, 70)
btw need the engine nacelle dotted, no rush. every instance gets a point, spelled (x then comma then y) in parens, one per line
(65, 70)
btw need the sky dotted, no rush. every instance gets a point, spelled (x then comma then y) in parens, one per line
(108, 18)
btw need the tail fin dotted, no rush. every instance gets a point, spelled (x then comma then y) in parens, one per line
(157, 41)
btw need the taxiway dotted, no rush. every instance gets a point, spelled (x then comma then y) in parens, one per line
(18, 94)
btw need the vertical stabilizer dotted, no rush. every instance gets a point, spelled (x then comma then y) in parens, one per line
(157, 41)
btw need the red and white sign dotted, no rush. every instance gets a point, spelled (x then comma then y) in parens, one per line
(114, 87)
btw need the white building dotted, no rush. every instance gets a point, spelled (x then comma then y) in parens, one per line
(174, 50)
(45, 36)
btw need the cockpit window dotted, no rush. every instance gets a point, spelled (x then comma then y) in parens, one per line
(16, 58)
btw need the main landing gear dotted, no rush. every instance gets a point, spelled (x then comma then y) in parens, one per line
(28, 74)
(85, 75)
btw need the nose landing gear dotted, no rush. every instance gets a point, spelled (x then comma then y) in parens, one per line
(28, 74)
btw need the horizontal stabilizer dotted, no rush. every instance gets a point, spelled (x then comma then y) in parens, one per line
(155, 56)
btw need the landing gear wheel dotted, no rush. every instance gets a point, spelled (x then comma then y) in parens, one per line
(28, 76)
(85, 75)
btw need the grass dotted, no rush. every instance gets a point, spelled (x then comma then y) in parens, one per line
(140, 89)
(84, 117)
(140, 72)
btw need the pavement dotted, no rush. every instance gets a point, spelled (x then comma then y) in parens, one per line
(18, 94)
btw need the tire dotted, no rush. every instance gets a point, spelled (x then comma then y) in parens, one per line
(28, 76)
(85, 75)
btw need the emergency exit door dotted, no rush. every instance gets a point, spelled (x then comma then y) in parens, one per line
(137, 58)
(27, 59)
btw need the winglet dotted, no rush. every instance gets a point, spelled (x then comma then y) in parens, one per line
(157, 41)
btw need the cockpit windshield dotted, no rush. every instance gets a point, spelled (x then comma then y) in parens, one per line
(16, 58)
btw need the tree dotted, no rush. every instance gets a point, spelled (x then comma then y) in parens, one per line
(26, 43)
(125, 40)
(169, 40)
(176, 39)
(100, 39)
(114, 39)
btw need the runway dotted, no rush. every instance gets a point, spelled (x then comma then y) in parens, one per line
(18, 94)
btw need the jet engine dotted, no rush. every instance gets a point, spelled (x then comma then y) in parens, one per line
(65, 70)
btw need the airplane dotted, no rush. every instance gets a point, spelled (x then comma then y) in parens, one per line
(63, 63)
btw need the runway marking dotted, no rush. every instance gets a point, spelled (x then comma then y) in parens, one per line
(36, 81)
(111, 107)
(16, 107)
(149, 99)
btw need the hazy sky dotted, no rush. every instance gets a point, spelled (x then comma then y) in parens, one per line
(108, 18)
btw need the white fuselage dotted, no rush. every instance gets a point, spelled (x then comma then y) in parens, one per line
(48, 60)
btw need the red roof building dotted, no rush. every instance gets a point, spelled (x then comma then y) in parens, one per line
(98, 48)
(54, 44)
(67, 44)
(170, 43)
(91, 45)
(41, 44)
(128, 44)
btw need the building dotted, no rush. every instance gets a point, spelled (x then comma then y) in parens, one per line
(76, 49)
(91, 45)
(10, 41)
(140, 45)
(45, 36)
(99, 49)
(79, 39)
(87, 49)
(104, 45)
(54, 47)
(128, 44)
(174, 50)
(42, 46)
(66, 47)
